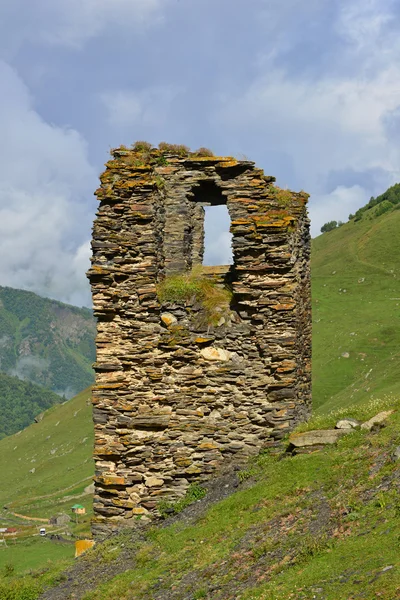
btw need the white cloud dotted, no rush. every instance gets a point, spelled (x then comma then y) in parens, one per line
(45, 177)
(340, 204)
(323, 125)
(71, 23)
(362, 22)
(148, 107)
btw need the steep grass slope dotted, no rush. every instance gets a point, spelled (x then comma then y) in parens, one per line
(356, 312)
(323, 525)
(46, 342)
(48, 462)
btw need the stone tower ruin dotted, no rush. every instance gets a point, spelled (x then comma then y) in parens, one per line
(197, 367)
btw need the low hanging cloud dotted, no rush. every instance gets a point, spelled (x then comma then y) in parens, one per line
(45, 183)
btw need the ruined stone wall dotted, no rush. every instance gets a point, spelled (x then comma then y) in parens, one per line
(178, 394)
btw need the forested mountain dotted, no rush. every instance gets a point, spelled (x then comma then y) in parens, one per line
(20, 402)
(46, 342)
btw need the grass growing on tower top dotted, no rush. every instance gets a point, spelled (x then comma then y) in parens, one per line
(194, 286)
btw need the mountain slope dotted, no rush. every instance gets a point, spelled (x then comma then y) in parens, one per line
(356, 312)
(322, 525)
(20, 402)
(59, 451)
(46, 342)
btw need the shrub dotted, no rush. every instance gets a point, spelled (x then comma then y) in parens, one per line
(142, 146)
(176, 149)
(329, 226)
(204, 152)
(382, 208)
(282, 196)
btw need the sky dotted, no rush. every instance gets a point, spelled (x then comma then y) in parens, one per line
(309, 90)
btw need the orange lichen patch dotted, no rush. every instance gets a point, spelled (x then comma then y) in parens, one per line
(203, 340)
(133, 163)
(286, 366)
(123, 502)
(227, 162)
(97, 269)
(284, 306)
(241, 222)
(82, 545)
(207, 446)
(257, 183)
(131, 183)
(110, 480)
(203, 159)
(276, 220)
(165, 170)
(281, 413)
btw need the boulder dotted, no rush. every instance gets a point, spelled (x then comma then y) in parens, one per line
(316, 437)
(347, 424)
(377, 420)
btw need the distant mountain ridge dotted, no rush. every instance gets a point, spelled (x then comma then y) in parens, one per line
(46, 342)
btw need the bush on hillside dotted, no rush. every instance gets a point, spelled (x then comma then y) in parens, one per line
(329, 226)
(389, 199)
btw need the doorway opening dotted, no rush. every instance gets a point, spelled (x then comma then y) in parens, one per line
(217, 237)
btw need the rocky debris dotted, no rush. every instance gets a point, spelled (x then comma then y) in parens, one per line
(318, 437)
(178, 395)
(396, 453)
(347, 424)
(377, 421)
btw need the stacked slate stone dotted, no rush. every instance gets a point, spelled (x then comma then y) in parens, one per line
(177, 395)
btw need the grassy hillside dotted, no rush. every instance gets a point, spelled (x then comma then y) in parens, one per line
(20, 402)
(322, 525)
(48, 462)
(46, 342)
(356, 312)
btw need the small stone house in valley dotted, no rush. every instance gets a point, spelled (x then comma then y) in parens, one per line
(197, 367)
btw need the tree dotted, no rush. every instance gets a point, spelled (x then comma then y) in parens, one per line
(329, 226)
